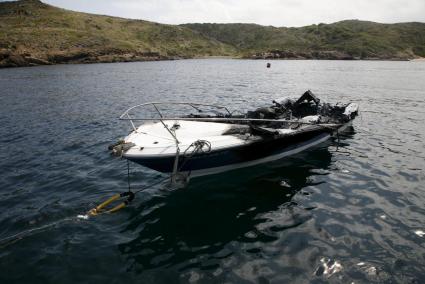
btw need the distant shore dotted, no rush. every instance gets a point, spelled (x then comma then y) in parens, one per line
(33, 33)
(16, 60)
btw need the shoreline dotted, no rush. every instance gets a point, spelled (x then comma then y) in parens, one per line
(33, 62)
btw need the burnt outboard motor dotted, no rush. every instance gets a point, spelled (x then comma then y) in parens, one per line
(307, 104)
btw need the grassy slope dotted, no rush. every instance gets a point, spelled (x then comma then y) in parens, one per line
(34, 33)
(46, 32)
(355, 38)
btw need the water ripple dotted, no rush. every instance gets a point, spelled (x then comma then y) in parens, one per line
(347, 211)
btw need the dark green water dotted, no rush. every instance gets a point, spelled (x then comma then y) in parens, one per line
(347, 212)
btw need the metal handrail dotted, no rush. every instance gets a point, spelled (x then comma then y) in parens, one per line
(161, 117)
(126, 113)
(205, 119)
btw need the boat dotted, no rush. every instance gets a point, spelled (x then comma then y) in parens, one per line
(213, 139)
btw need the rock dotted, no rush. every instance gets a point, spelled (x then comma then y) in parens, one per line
(68, 57)
(4, 53)
(150, 54)
(37, 61)
(288, 54)
(13, 60)
(10, 59)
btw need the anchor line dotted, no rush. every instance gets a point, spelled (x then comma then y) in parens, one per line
(198, 147)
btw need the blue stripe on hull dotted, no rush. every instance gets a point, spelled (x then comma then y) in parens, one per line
(242, 154)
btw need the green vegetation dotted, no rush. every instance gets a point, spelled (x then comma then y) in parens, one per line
(33, 33)
(346, 39)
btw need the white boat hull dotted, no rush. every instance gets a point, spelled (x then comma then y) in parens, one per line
(227, 152)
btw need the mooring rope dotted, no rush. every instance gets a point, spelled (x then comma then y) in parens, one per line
(18, 236)
(197, 146)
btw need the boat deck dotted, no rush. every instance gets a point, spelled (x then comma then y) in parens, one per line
(156, 140)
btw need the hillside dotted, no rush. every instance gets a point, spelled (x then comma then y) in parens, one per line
(33, 33)
(342, 40)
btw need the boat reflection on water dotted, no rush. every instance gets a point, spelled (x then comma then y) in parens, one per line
(195, 226)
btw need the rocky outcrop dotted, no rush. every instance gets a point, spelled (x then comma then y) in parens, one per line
(16, 59)
(321, 54)
(286, 54)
